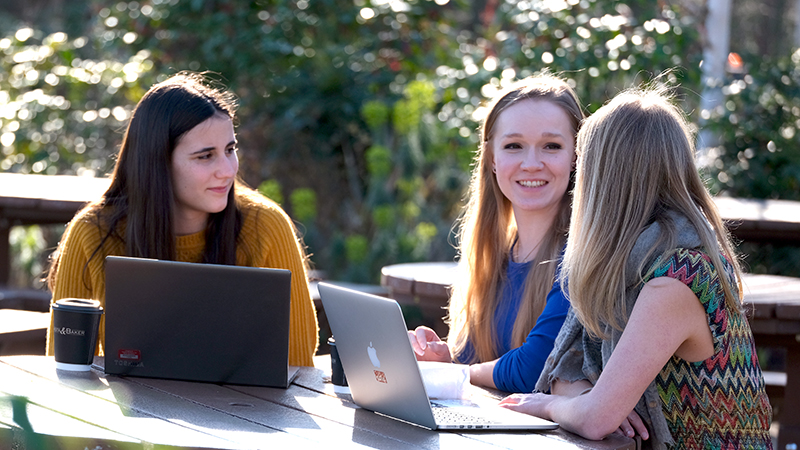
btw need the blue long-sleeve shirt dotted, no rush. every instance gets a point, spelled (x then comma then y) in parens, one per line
(518, 368)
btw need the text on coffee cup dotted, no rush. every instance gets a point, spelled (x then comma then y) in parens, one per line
(70, 332)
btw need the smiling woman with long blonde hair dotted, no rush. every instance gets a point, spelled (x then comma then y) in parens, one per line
(505, 309)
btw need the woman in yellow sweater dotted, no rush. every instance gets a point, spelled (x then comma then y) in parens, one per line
(175, 195)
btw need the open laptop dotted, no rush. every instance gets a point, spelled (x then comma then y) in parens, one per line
(382, 371)
(197, 322)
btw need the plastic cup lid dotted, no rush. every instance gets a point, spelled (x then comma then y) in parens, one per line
(78, 305)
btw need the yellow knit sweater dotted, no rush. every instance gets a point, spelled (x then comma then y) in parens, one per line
(267, 239)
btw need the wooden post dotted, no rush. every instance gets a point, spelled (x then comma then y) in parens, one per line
(5, 252)
(715, 56)
(790, 416)
(796, 41)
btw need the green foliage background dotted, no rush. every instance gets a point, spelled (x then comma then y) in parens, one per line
(360, 116)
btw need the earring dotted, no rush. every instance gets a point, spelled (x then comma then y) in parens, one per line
(494, 169)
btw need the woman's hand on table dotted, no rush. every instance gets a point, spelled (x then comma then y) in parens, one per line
(535, 404)
(542, 405)
(631, 426)
(428, 346)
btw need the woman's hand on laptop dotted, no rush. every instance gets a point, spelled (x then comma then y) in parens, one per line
(428, 346)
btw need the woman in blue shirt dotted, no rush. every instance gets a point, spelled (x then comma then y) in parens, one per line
(505, 310)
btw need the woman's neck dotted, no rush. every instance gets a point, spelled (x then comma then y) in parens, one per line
(186, 224)
(531, 233)
(526, 248)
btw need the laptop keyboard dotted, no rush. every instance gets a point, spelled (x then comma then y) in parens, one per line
(445, 415)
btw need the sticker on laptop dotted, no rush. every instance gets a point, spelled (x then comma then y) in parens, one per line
(129, 354)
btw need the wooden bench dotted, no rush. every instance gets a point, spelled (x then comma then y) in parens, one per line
(38, 200)
(776, 390)
(23, 332)
(24, 318)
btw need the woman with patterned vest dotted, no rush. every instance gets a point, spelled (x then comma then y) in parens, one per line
(656, 343)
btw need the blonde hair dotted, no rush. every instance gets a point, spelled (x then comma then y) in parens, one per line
(487, 232)
(635, 163)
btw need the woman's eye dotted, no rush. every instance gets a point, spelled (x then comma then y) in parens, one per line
(231, 150)
(553, 146)
(204, 156)
(512, 146)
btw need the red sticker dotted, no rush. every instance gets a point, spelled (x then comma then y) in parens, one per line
(380, 376)
(130, 355)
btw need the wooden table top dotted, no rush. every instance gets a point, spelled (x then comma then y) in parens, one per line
(52, 187)
(94, 410)
(763, 220)
(773, 295)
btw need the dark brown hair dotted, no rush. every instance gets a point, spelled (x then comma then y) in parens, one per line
(140, 196)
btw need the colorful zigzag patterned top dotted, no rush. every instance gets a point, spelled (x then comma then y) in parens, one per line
(719, 403)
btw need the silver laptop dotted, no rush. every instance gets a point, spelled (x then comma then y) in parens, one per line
(197, 322)
(382, 371)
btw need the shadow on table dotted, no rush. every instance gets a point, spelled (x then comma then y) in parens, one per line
(88, 382)
(365, 420)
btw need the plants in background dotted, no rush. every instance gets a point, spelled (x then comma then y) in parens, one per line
(759, 148)
(62, 103)
(27, 246)
(759, 131)
(358, 116)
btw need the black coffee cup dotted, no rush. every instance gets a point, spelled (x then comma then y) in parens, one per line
(337, 371)
(75, 325)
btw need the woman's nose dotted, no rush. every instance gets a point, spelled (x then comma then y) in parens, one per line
(532, 160)
(228, 166)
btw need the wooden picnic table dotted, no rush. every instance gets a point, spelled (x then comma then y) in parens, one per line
(773, 304)
(766, 221)
(93, 410)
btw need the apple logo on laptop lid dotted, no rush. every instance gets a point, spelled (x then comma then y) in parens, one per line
(373, 356)
(380, 376)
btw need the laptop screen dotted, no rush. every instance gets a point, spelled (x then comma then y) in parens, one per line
(197, 322)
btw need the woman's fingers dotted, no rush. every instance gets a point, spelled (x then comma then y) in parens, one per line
(412, 338)
(633, 425)
(428, 346)
(638, 425)
(438, 351)
(626, 429)
(425, 334)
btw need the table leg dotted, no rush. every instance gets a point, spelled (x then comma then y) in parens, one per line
(790, 416)
(5, 251)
